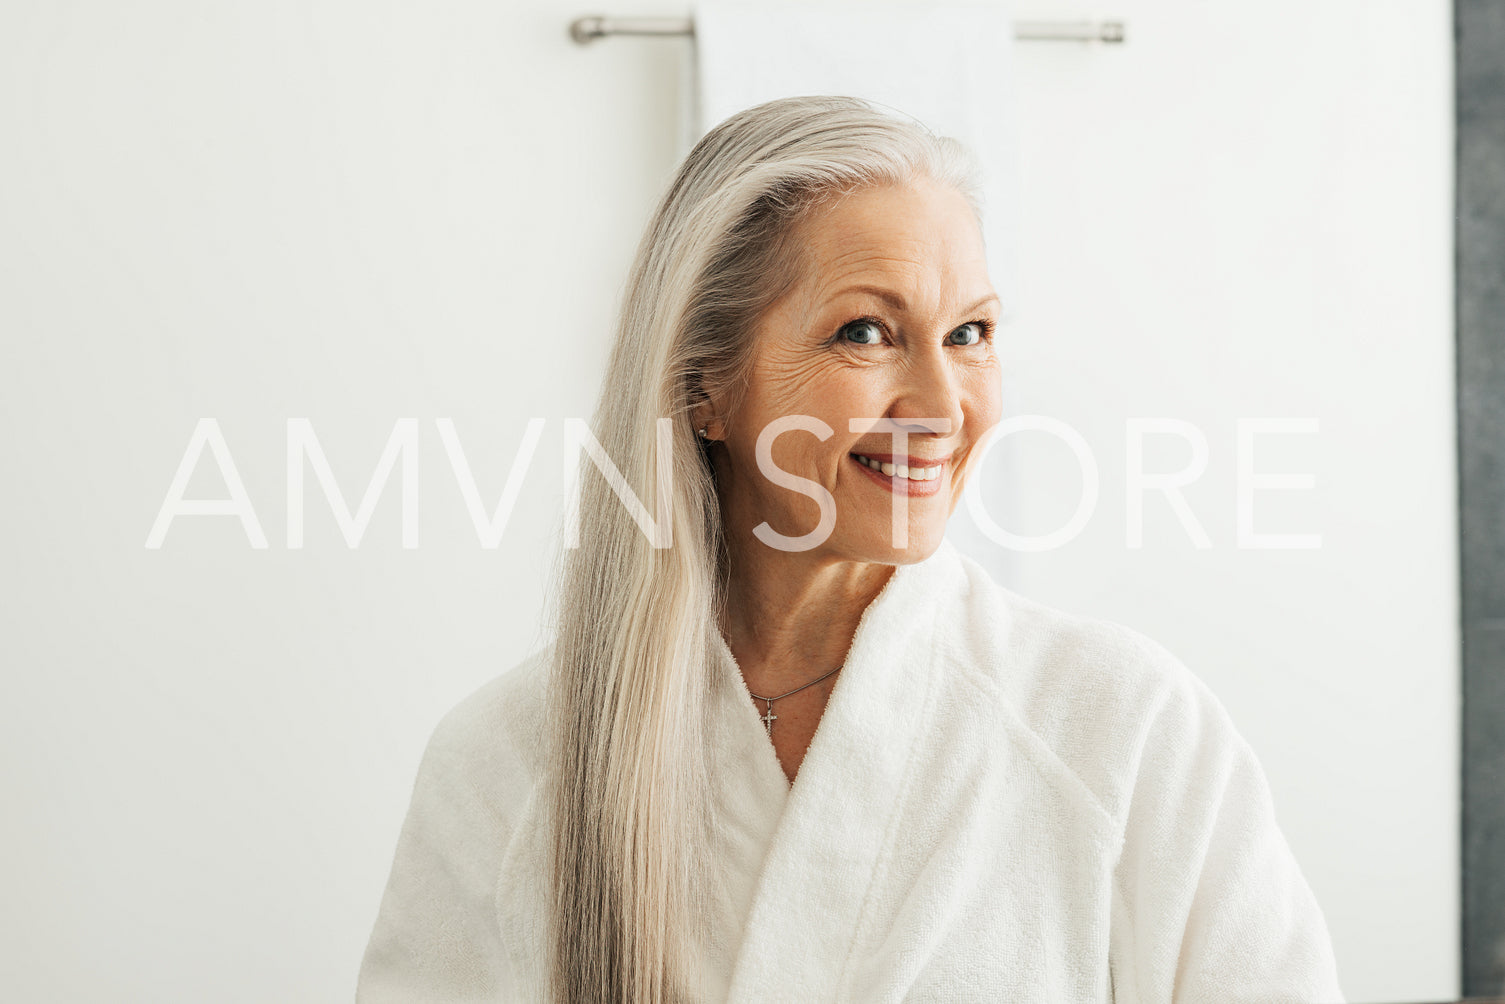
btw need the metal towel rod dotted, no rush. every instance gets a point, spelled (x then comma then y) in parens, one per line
(594, 26)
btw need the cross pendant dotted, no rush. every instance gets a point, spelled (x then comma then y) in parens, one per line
(768, 718)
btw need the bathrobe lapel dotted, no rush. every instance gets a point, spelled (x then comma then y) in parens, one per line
(828, 834)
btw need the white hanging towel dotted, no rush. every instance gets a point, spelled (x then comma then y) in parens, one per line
(948, 66)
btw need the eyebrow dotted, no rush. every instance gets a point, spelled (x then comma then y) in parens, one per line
(896, 301)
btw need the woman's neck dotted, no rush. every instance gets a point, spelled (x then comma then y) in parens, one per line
(791, 617)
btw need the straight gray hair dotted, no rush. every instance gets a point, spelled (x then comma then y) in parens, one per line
(630, 687)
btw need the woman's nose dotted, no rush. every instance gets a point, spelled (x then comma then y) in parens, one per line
(930, 390)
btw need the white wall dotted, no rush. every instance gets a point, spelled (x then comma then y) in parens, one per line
(1247, 212)
(358, 212)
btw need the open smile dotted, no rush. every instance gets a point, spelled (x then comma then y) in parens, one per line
(916, 477)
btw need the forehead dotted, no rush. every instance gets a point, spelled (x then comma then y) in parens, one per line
(921, 238)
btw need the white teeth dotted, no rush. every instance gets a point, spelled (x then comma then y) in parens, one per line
(901, 471)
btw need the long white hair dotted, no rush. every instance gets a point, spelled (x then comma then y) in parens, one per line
(629, 691)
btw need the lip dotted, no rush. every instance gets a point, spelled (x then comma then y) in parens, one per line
(904, 486)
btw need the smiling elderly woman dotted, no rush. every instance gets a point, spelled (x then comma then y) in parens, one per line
(809, 751)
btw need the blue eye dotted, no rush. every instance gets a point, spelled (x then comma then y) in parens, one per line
(984, 331)
(966, 338)
(853, 332)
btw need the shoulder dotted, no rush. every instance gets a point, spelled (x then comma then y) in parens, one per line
(490, 742)
(1096, 694)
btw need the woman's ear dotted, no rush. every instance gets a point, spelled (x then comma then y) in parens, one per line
(705, 420)
(704, 415)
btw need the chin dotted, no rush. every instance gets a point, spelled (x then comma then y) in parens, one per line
(923, 541)
(922, 547)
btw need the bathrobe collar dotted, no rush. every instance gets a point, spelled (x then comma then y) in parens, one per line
(825, 835)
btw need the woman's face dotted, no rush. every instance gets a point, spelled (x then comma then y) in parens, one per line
(893, 320)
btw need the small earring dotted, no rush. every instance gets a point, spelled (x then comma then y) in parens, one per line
(702, 431)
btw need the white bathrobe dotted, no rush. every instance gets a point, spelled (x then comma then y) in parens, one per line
(1002, 802)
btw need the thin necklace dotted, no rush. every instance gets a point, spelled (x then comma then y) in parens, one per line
(768, 716)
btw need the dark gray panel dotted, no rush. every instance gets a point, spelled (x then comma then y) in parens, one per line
(1481, 305)
(1480, 67)
(1483, 818)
